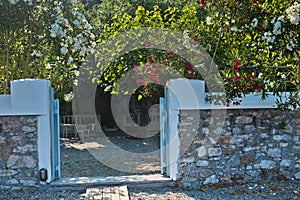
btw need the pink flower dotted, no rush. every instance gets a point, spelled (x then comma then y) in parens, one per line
(153, 70)
(202, 2)
(152, 78)
(147, 43)
(139, 82)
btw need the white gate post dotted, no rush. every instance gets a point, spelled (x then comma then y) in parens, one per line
(180, 94)
(31, 97)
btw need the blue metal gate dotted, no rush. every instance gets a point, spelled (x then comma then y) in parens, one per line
(55, 136)
(164, 136)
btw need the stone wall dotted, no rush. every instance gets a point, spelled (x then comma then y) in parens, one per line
(18, 152)
(249, 145)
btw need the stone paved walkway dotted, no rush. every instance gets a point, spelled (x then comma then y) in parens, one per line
(108, 193)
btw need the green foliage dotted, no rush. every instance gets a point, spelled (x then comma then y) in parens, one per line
(50, 39)
(167, 15)
(230, 31)
(43, 39)
(261, 37)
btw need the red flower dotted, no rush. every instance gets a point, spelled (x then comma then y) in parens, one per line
(249, 76)
(195, 40)
(255, 86)
(188, 68)
(235, 66)
(236, 103)
(190, 75)
(169, 56)
(151, 60)
(237, 78)
(202, 3)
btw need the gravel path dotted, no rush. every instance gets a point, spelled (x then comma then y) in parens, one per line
(77, 161)
(278, 190)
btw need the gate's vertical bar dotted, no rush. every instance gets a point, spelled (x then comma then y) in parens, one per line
(55, 136)
(162, 135)
(167, 134)
(52, 134)
(57, 133)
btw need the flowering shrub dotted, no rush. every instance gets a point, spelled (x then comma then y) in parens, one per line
(262, 37)
(43, 39)
(254, 43)
(151, 66)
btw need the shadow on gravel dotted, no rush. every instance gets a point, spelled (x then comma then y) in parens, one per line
(76, 160)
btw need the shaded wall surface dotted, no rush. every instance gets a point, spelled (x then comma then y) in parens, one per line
(248, 145)
(18, 152)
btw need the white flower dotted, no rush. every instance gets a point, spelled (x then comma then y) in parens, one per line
(259, 75)
(273, 20)
(76, 22)
(48, 66)
(293, 13)
(76, 82)
(268, 38)
(77, 73)
(234, 29)
(277, 28)
(92, 36)
(288, 47)
(36, 53)
(29, 2)
(281, 18)
(272, 84)
(88, 26)
(68, 97)
(13, 2)
(70, 60)
(64, 50)
(254, 23)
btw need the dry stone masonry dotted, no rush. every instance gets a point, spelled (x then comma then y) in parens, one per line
(18, 152)
(248, 145)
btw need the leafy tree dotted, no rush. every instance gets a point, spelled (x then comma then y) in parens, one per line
(113, 18)
(254, 43)
(258, 45)
(43, 39)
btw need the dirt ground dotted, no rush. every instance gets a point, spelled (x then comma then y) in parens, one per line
(121, 155)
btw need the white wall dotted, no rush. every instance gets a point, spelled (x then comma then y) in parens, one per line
(190, 94)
